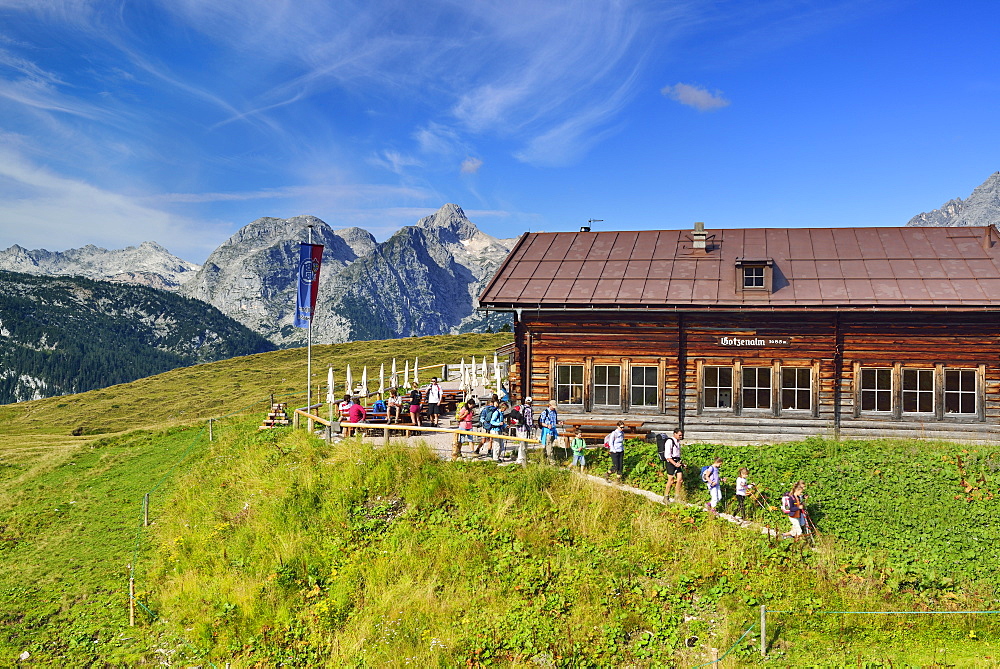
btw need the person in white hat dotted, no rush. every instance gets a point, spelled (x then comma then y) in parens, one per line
(529, 417)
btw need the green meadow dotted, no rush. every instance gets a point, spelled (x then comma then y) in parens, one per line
(271, 548)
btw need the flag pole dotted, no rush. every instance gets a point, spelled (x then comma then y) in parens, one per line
(309, 347)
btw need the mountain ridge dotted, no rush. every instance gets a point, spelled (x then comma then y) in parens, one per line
(981, 208)
(69, 334)
(148, 264)
(422, 280)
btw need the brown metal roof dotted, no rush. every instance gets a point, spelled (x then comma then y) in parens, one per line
(812, 267)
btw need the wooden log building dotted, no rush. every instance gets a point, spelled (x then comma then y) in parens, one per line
(751, 335)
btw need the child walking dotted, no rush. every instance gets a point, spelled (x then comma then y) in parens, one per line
(742, 488)
(578, 445)
(714, 481)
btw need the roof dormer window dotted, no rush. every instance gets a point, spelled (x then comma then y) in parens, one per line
(754, 274)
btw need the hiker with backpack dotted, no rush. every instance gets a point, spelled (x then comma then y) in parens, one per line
(793, 505)
(464, 417)
(615, 441)
(434, 397)
(498, 423)
(710, 475)
(549, 420)
(529, 417)
(668, 450)
(519, 425)
(578, 445)
(488, 418)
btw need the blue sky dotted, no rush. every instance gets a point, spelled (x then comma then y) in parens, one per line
(181, 121)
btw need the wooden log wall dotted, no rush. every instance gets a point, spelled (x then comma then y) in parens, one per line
(595, 341)
(832, 346)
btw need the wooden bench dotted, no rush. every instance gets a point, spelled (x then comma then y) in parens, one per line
(381, 417)
(596, 429)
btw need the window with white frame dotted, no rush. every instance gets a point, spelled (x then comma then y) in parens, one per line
(717, 388)
(753, 276)
(918, 391)
(643, 389)
(796, 388)
(876, 389)
(569, 384)
(756, 388)
(960, 391)
(607, 385)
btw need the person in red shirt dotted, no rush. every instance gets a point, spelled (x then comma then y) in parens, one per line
(355, 414)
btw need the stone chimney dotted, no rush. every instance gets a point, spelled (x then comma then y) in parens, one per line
(699, 237)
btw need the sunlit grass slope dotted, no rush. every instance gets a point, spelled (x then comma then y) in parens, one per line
(276, 549)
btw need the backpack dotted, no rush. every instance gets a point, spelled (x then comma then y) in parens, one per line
(788, 507)
(706, 475)
(661, 446)
(516, 417)
(497, 418)
(546, 417)
(607, 440)
(379, 406)
(486, 415)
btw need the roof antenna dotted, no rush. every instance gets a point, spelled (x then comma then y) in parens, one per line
(586, 228)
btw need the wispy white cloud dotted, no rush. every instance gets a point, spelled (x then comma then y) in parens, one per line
(695, 96)
(395, 161)
(45, 210)
(347, 192)
(471, 165)
(439, 139)
(570, 140)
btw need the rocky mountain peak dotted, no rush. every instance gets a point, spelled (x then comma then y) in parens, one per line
(981, 208)
(450, 218)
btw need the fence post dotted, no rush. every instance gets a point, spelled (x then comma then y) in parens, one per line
(763, 630)
(296, 420)
(131, 597)
(385, 435)
(210, 435)
(145, 510)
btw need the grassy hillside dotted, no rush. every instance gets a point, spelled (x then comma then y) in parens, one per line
(925, 510)
(184, 395)
(270, 548)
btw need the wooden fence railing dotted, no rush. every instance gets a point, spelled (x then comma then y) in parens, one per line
(386, 428)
